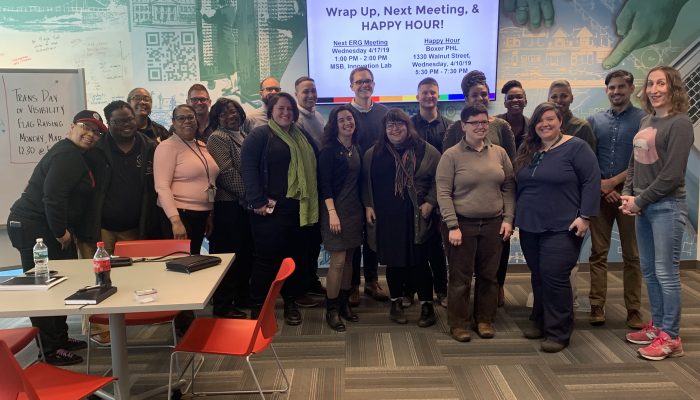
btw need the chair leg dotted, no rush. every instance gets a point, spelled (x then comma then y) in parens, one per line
(87, 361)
(284, 375)
(255, 378)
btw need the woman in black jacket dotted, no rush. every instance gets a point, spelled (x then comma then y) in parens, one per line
(341, 210)
(51, 207)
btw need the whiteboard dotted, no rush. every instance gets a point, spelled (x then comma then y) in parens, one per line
(36, 110)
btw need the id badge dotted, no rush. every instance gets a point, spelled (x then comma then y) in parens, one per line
(211, 193)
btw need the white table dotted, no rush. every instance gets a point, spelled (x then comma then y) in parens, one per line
(176, 291)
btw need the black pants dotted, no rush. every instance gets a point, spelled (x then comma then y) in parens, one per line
(419, 277)
(437, 263)
(367, 258)
(232, 235)
(551, 256)
(503, 263)
(195, 223)
(311, 236)
(52, 330)
(275, 237)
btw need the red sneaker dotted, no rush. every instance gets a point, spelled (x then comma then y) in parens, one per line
(645, 336)
(663, 346)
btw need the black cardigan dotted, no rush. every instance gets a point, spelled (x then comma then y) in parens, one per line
(332, 169)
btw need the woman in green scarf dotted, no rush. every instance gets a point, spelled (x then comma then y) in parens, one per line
(278, 164)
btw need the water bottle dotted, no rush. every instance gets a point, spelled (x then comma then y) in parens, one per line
(41, 262)
(101, 264)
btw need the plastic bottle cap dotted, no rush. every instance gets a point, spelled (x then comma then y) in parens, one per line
(100, 244)
(39, 240)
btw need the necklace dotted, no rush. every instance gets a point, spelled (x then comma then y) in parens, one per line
(348, 149)
(555, 142)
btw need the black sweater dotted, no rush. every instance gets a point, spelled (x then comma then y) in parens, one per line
(58, 190)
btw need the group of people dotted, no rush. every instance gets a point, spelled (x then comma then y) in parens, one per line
(376, 186)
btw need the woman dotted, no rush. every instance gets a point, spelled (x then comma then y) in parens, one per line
(399, 197)
(51, 207)
(655, 192)
(558, 183)
(231, 230)
(515, 101)
(476, 194)
(278, 165)
(476, 91)
(184, 175)
(339, 168)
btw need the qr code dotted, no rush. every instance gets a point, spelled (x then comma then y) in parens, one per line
(171, 56)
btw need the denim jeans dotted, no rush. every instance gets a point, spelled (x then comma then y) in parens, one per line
(660, 229)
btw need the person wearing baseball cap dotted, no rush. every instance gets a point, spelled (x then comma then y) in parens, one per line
(51, 208)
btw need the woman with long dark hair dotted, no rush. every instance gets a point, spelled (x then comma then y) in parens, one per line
(339, 169)
(231, 230)
(399, 197)
(655, 192)
(558, 189)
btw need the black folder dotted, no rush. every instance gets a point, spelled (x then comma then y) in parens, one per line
(90, 295)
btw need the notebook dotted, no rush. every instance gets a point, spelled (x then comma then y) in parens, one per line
(93, 295)
(29, 283)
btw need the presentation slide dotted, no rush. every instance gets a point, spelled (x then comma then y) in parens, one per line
(402, 42)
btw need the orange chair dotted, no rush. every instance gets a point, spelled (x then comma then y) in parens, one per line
(18, 338)
(236, 337)
(44, 381)
(144, 248)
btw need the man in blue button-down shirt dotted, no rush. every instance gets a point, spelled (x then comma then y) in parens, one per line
(614, 130)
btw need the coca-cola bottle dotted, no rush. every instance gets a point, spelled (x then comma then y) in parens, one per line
(101, 264)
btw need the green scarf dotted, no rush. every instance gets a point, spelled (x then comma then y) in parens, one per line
(301, 176)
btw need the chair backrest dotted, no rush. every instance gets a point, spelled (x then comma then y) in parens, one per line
(267, 322)
(13, 382)
(151, 248)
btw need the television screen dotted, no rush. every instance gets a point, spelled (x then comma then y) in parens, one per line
(401, 42)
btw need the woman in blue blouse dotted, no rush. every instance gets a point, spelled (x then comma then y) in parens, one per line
(558, 191)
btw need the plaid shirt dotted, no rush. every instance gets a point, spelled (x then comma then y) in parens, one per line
(225, 147)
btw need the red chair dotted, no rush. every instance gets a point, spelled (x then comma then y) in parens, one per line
(144, 248)
(236, 337)
(18, 338)
(44, 381)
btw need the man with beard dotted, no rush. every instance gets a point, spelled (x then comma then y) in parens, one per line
(123, 206)
(141, 102)
(258, 117)
(560, 94)
(614, 130)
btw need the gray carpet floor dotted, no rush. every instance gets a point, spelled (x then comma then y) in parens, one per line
(376, 359)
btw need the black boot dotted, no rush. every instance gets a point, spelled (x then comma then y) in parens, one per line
(396, 312)
(332, 316)
(344, 307)
(292, 316)
(427, 315)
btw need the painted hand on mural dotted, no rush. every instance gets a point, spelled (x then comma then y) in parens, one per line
(642, 23)
(533, 11)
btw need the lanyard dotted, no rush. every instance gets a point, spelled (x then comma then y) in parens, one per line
(201, 159)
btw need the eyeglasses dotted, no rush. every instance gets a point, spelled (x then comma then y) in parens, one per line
(89, 128)
(145, 99)
(184, 118)
(394, 125)
(361, 82)
(199, 99)
(477, 123)
(121, 121)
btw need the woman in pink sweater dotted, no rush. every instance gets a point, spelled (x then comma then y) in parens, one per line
(185, 174)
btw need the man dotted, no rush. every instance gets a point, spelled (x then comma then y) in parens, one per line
(123, 205)
(614, 130)
(198, 98)
(310, 120)
(431, 126)
(369, 127)
(268, 87)
(560, 94)
(141, 102)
